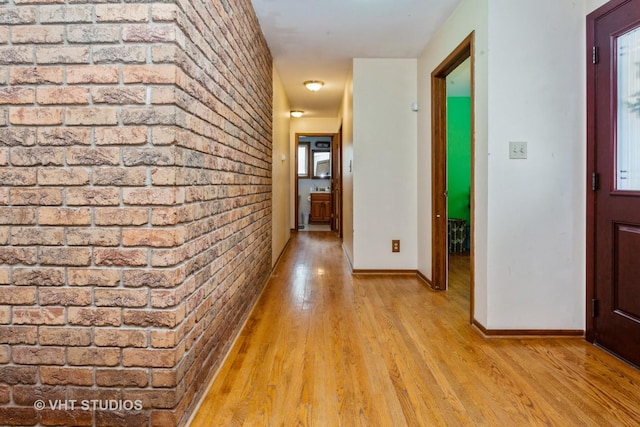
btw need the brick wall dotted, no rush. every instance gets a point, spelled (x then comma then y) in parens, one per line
(135, 201)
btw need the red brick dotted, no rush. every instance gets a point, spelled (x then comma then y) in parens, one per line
(121, 418)
(29, 236)
(64, 256)
(64, 136)
(17, 95)
(62, 55)
(164, 176)
(151, 358)
(160, 318)
(16, 136)
(35, 75)
(149, 115)
(165, 216)
(4, 354)
(64, 296)
(50, 34)
(97, 74)
(93, 356)
(120, 176)
(17, 335)
(122, 13)
(121, 216)
(122, 377)
(16, 15)
(119, 95)
(119, 54)
(164, 12)
(164, 298)
(38, 316)
(152, 278)
(35, 116)
(155, 237)
(120, 297)
(94, 316)
(163, 135)
(93, 156)
(91, 116)
(17, 296)
(163, 339)
(5, 319)
(92, 237)
(17, 216)
(65, 177)
(17, 256)
(93, 33)
(121, 135)
(16, 55)
(153, 196)
(64, 336)
(93, 196)
(62, 95)
(65, 14)
(93, 277)
(64, 216)
(28, 394)
(17, 176)
(24, 355)
(75, 417)
(5, 394)
(44, 156)
(163, 95)
(117, 337)
(19, 416)
(152, 398)
(164, 53)
(153, 74)
(159, 33)
(120, 257)
(38, 276)
(35, 196)
(64, 376)
(157, 156)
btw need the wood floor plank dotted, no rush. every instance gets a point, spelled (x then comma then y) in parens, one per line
(325, 348)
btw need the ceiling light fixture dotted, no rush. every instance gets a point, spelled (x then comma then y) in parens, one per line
(314, 85)
(296, 113)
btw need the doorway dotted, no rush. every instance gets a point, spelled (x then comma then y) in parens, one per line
(315, 183)
(442, 163)
(613, 163)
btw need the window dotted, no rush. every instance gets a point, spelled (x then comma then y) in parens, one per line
(303, 160)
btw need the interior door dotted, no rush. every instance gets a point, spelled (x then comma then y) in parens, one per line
(616, 179)
(336, 183)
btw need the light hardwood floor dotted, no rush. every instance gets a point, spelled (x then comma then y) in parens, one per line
(324, 348)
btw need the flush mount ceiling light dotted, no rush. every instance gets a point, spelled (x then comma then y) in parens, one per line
(296, 113)
(314, 85)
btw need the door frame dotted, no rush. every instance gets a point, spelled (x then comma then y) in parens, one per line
(439, 280)
(295, 172)
(592, 18)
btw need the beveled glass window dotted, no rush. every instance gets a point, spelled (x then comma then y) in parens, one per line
(628, 114)
(303, 160)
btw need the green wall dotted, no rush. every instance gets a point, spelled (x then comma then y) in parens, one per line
(459, 156)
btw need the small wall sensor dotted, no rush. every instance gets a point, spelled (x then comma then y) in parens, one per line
(414, 106)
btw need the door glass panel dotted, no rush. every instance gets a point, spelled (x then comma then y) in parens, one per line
(628, 140)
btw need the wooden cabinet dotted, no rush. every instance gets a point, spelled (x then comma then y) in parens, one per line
(320, 207)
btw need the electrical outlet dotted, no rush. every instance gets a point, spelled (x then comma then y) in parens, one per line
(395, 246)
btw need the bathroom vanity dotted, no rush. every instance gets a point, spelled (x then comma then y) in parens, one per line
(320, 207)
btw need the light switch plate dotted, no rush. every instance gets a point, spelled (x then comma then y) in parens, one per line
(517, 149)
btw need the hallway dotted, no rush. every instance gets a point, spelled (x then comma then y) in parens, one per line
(324, 348)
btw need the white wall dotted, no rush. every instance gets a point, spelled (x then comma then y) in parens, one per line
(591, 5)
(470, 16)
(384, 167)
(529, 214)
(536, 206)
(346, 115)
(280, 190)
(330, 125)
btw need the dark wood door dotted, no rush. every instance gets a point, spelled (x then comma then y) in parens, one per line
(616, 179)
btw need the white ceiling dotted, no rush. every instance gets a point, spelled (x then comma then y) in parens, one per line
(317, 39)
